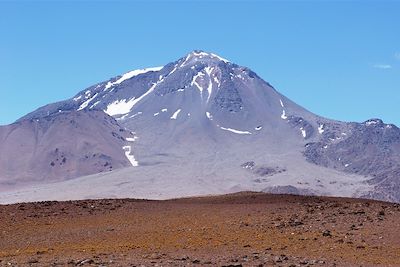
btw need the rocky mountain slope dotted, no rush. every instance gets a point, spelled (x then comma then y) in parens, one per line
(205, 125)
(60, 146)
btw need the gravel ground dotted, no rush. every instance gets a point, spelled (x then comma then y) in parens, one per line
(244, 229)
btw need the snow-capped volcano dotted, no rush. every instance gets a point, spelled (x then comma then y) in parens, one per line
(203, 125)
(117, 97)
(201, 85)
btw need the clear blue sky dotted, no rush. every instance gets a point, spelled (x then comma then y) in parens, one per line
(338, 59)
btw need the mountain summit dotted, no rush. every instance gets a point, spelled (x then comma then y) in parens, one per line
(203, 125)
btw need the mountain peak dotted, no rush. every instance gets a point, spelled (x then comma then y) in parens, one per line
(200, 55)
(374, 121)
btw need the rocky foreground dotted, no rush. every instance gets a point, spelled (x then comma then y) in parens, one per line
(245, 229)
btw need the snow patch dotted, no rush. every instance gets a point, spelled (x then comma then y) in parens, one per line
(209, 116)
(282, 105)
(217, 81)
(209, 70)
(303, 132)
(220, 58)
(130, 75)
(186, 60)
(86, 103)
(156, 114)
(123, 107)
(283, 116)
(136, 114)
(371, 122)
(130, 157)
(240, 77)
(95, 104)
(234, 131)
(164, 110)
(77, 98)
(175, 68)
(258, 128)
(129, 139)
(210, 84)
(175, 115)
(321, 129)
(120, 107)
(200, 55)
(194, 82)
(123, 117)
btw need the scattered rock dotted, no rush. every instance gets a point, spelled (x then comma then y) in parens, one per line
(86, 261)
(327, 233)
(32, 261)
(295, 222)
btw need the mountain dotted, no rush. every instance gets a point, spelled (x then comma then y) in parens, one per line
(203, 125)
(60, 146)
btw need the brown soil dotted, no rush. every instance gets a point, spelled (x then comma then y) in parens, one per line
(245, 229)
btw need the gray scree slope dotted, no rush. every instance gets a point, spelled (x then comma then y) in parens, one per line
(202, 125)
(60, 146)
